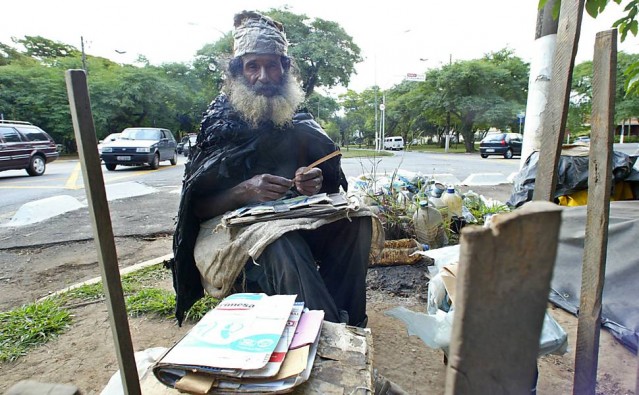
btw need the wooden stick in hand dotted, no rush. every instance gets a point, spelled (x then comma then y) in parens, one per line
(322, 160)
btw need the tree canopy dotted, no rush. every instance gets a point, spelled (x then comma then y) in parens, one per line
(465, 97)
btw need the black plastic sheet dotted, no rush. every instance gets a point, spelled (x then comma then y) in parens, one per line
(572, 175)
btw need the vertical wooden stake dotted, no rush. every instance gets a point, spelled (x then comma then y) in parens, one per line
(78, 92)
(553, 123)
(502, 295)
(599, 186)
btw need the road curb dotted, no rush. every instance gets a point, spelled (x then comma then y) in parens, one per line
(123, 271)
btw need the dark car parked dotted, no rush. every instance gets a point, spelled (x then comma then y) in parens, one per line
(140, 146)
(189, 144)
(505, 144)
(25, 146)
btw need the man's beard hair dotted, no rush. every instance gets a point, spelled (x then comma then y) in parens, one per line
(255, 108)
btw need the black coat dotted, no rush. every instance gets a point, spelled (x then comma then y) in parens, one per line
(229, 152)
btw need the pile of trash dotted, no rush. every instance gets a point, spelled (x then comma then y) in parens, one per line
(414, 206)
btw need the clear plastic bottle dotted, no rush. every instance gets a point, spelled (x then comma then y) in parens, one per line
(453, 201)
(429, 225)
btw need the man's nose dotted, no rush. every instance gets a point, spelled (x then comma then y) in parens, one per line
(263, 75)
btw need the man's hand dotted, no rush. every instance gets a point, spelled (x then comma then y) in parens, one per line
(265, 187)
(308, 183)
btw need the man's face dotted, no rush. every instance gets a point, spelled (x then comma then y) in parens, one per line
(263, 73)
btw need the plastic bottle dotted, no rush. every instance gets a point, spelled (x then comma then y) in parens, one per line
(453, 201)
(429, 225)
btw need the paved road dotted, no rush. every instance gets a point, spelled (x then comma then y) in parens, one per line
(154, 213)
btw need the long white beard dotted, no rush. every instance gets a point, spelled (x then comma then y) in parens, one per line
(256, 108)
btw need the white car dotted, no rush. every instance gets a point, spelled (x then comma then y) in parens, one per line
(582, 139)
(109, 139)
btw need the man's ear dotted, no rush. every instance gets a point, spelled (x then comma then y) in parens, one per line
(236, 66)
(286, 63)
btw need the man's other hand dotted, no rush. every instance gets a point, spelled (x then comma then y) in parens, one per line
(308, 183)
(266, 187)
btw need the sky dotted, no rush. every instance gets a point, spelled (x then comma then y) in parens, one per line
(396, 37)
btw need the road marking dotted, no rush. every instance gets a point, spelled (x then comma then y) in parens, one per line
(133, 174)
(29, 187)
(73, 178)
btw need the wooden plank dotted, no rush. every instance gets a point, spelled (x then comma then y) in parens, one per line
(502, 293)
(598, 210)
(80, 103)
(553, 121)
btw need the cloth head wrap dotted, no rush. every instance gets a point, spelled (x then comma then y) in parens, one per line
(258, 34)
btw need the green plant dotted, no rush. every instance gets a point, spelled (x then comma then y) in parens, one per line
(29, 326)
(201, 307)
(155, 301)
(479, 209)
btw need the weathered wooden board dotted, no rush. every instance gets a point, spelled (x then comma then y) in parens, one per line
(553, 121)
(597, 215)
(502, 293)
(85, 137)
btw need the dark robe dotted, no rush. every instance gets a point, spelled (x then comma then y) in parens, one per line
(229, 152)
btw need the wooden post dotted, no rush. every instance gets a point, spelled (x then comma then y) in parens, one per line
(79, 101)
(553, 122)
(502, 294)
(598, 210)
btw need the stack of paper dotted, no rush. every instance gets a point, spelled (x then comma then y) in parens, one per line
(300, 206)
(249, 343)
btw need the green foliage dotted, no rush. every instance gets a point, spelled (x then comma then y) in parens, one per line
(626, 104)
(628, 23)
(155, 301)
(85, 292)
(200, 308)
(29, 326)
(479, 209)
(322, 50)
(44, 49)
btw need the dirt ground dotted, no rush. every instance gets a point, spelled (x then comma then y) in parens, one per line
(85, 356)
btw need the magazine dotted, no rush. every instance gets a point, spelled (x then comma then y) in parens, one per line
(300, 206)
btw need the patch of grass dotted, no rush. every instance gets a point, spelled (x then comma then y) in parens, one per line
(155, 301)
(201, 307)
(29, 326)
(85, 292)
(452, 149)
(363, 153)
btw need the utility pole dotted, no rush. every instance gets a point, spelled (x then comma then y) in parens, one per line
(447, 143)
(383, 108)
(84, 57)
(539, 80)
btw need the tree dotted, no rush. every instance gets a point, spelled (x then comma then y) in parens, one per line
(33, 89)
(626, 105)
(44, 49)
(324, 53)
(626, 24)
(359, 117)
(479, 92)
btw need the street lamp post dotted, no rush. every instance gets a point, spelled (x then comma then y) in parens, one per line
(521, 117)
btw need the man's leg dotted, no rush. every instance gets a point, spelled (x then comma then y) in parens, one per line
(287, 267)
(342, 249)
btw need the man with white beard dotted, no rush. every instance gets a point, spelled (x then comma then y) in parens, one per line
(253, 147)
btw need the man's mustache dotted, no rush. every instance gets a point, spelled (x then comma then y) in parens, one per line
(267, 89)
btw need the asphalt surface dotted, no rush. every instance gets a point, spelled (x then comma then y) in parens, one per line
(147, 215)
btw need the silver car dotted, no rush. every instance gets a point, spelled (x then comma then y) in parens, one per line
(140, 146)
